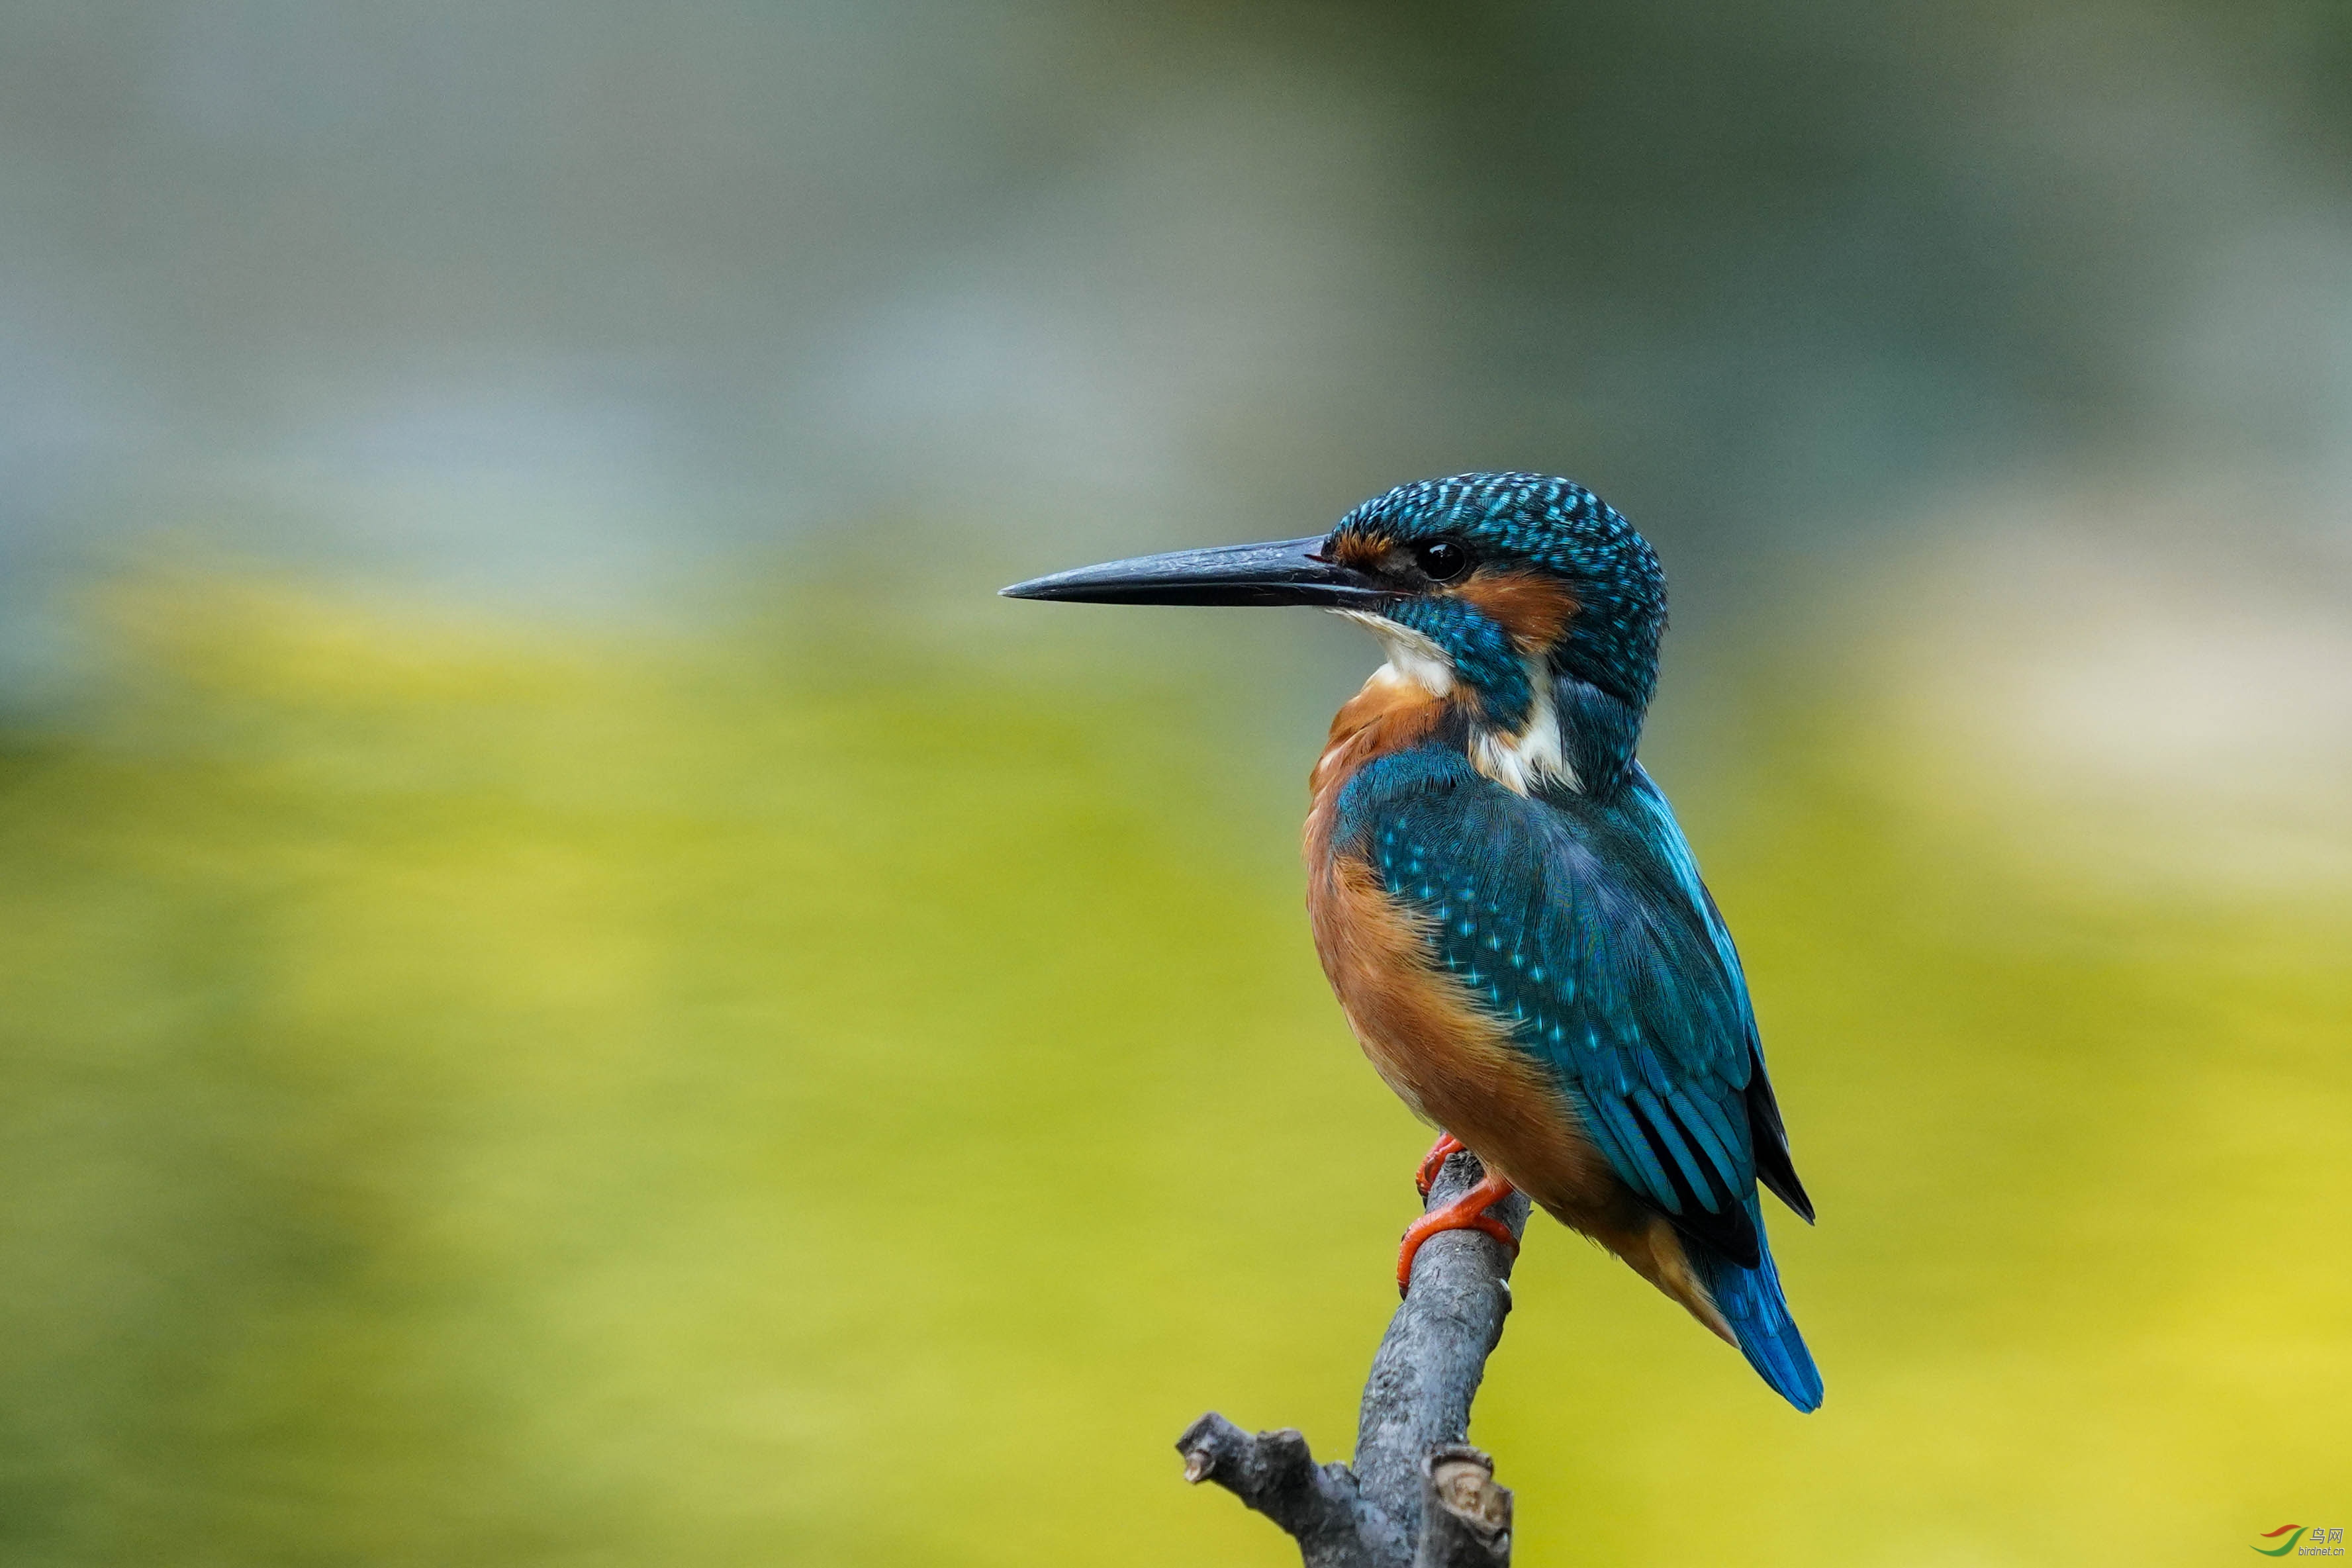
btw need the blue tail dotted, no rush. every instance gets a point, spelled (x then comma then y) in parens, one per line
(1751, 1302)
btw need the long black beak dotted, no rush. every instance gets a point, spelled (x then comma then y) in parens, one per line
(1287, 571)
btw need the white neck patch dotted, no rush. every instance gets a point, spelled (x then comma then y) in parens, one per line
(1533, 756)
(1519, 762)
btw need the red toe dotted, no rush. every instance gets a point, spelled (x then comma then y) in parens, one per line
(1434, 1161)
(1467, 1212)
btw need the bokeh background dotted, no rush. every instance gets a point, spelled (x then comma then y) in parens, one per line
(578, 992)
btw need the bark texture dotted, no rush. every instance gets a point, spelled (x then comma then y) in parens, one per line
(1416, 1496)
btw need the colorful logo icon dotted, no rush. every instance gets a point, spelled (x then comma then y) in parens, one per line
(2315, 1541)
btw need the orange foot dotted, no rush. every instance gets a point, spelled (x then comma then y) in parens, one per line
(1434, 1161)
(1467, 1212)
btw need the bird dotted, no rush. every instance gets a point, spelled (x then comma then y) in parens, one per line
(1501, 898)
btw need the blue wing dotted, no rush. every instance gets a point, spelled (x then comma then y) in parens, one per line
(1773, 1165)
(1585, 925)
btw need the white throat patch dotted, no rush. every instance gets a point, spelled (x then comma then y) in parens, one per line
(1413, 658)
(1519, 762)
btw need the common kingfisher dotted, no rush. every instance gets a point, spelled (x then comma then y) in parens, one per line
(1502, 901)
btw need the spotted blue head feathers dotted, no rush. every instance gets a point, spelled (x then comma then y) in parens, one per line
(1528, 598)
(1533, 532)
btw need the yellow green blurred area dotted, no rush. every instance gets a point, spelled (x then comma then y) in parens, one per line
(479, 1095)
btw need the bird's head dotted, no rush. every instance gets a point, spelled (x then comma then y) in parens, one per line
(1529, 600)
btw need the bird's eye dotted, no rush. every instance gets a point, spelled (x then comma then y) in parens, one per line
(1440, 560)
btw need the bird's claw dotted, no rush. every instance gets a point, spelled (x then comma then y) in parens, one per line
(1432, 1163)
(1467, 1212)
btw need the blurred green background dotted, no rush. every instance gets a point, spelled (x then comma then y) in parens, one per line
(575, 990)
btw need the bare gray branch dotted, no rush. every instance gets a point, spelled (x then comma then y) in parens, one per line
(1415, 1497)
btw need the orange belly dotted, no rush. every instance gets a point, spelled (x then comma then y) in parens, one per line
(1451, 1060)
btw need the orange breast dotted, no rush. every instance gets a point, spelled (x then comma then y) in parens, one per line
(1444, 1054)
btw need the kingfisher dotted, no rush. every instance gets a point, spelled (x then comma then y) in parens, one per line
(1502, 899)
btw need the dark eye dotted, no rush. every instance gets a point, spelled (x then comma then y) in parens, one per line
(1440, 560)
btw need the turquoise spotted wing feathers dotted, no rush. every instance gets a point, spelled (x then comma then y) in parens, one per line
(1584, 926)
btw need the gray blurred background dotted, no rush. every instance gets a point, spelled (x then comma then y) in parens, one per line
(550, 306)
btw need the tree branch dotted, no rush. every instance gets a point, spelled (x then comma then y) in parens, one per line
(1416, 1497)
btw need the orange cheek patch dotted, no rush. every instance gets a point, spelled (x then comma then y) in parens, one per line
(1533, 609)
(1362, 552)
